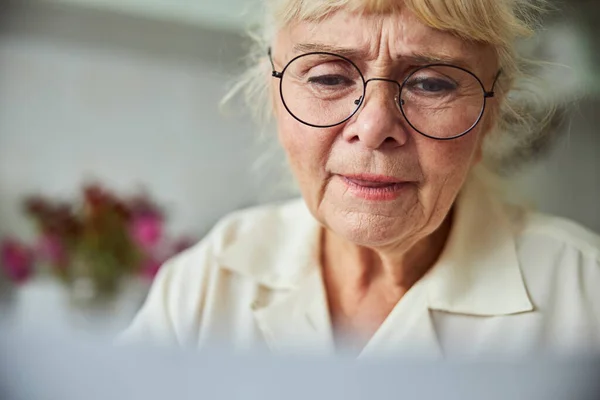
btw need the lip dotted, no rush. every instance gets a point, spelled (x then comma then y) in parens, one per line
(374, 187)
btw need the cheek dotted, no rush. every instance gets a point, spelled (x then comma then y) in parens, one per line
(445, 167)
(443, 159)
(307, 150)
(302, 150)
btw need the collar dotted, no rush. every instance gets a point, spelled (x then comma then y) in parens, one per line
(478, 272)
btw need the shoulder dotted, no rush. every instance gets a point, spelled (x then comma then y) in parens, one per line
(555, 250)
(245, 249)
(560, 266)
(260, 221)
(261, 227)
(538, 237)
(562, 231)
(548, 232)
(271, 245)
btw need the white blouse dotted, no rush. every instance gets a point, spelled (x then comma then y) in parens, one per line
(508, 282)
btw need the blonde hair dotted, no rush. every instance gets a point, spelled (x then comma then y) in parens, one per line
(525, 119)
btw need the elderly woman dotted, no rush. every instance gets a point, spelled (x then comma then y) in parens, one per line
(385, 109)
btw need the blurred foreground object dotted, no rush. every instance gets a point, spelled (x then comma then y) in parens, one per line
(93, 244)
(69, 368)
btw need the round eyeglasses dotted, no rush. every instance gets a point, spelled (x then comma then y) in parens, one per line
(439, 101)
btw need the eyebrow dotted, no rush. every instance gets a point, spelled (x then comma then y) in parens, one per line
(417, 58)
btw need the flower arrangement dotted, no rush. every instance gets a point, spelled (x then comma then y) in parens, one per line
(98, 240)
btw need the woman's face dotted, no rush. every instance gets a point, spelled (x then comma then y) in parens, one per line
(374, 180)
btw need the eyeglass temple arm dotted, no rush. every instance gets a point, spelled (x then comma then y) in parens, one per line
(491, 93)
(274, 72)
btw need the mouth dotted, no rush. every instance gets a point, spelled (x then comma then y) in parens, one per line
(374, 187)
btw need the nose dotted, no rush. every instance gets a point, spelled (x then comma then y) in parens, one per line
(379, 123)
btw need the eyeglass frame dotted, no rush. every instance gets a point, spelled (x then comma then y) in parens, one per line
(486, 94)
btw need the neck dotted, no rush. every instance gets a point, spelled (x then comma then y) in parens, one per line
(397, 267)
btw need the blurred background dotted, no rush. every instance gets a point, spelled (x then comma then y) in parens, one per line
(125, 94)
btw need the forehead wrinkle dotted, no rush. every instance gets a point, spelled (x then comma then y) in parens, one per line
(397, 38)
(355, 54)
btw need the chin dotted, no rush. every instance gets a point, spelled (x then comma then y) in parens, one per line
(367, 230)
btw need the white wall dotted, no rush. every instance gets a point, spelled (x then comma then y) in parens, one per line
(232, 14)
(89, 95)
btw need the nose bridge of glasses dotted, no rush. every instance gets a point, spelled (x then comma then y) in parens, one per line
(398, 84)
(384, 80)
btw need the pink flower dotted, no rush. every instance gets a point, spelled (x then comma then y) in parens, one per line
(51, 249)
(147, 231)
(150, 268)
(17, 260)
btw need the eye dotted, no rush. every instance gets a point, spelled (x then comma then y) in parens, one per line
(331, 80)
(432, 85)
